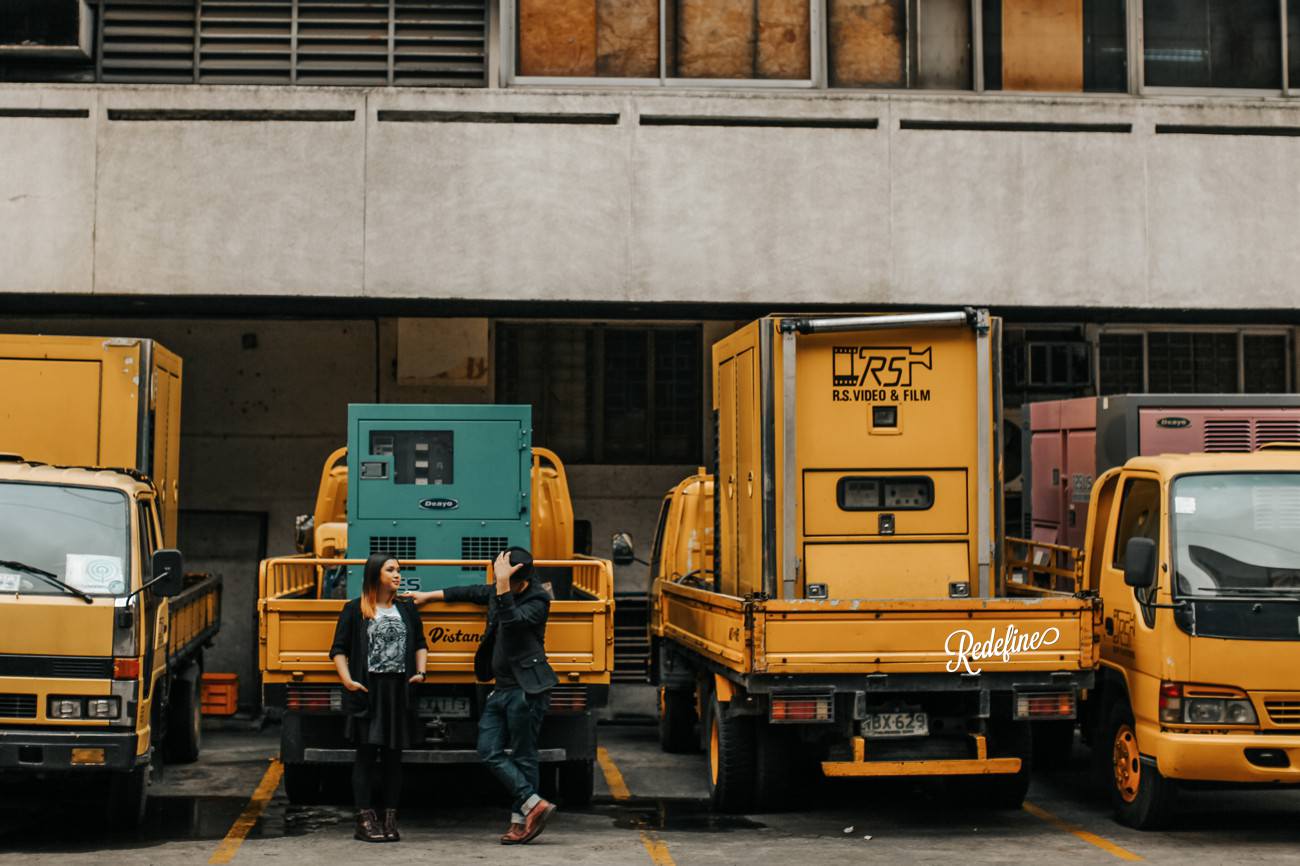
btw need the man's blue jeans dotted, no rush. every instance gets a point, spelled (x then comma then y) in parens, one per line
(513, 720)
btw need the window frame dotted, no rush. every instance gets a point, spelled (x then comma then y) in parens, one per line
(1137, 52)
(1241, 334)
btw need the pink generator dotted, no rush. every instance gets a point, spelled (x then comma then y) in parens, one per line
(1072, 441)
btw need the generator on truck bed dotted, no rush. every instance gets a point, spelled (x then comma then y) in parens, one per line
(387, 493)
(1196, 557)
(101, 631)
(833, 593)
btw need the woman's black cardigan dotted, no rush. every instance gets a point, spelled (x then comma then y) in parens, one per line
(352, 640)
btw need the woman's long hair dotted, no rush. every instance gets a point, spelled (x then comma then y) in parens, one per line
(370, 583)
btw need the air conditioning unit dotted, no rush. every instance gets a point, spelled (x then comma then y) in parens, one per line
(45, 28)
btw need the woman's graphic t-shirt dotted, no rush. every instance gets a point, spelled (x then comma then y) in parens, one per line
(387, 635)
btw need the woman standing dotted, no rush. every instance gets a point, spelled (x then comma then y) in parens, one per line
(379, 650)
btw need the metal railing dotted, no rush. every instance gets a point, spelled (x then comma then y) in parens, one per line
(1040, 568)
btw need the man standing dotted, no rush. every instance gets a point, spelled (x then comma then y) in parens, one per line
(513, 654)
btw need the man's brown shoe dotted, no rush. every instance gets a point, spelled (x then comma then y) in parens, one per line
(535, 821)
(390, 826)
(368, 829)
(514, 835)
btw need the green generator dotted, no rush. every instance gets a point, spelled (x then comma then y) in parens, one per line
(437, 481)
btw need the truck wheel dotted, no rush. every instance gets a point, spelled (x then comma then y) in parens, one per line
(302, 784)
(576, 781)
(1142, 798)
(1053, 742)
(1008, 739)
(128, 796)
(731, 762)
(677, 720)
(776, 768)
(185, 722)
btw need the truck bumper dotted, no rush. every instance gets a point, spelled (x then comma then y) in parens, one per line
(1229, 758)
(421, 756)
(59, 751)
(980, 765)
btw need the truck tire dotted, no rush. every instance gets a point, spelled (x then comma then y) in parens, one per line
(185, 719)
(1053, 743)
(776, 766)
(1141, 797)
(677, 720)
(576, 783)
(302, 784)
(128, 796)
(731, 760)
(1009, 739)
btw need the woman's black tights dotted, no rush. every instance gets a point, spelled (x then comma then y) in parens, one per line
(371, 760)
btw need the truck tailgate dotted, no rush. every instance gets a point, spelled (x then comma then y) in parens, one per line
(930, 636)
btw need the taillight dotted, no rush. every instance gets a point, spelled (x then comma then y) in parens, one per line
(126, 669)
(314, 699)
(1171, 702)
(801, 708)
(1046, 705)
(568, 699)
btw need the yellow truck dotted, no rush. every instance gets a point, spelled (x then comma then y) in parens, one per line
(101, 631)
(1197, 559)
(300, 600)
(832, 596)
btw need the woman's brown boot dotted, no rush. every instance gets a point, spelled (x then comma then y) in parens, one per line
(390, 826)
(368, 829)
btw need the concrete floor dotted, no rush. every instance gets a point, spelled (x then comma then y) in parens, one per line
(455, 818)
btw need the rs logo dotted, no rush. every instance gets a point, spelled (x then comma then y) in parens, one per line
(877, 366)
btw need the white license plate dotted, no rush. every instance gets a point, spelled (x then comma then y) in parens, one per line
(896, 725)
(447, 708)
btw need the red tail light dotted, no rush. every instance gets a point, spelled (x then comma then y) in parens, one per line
(126, 669)
(1046, 705)
(1171, 702)
(801, 708)
(314, 699)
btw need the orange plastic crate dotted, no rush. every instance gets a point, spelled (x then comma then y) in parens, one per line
(220, 694)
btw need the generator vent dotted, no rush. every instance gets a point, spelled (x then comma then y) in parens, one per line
(1227, 434)
(1276, 430)
(481, 547)
(400, 546)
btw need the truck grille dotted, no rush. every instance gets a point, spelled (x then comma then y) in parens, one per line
(70, 667)
(1283, 712)
(481, 547)
(18, 706)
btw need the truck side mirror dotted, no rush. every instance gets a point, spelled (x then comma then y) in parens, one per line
(623, 551)
(168, 573)
(1140, 563)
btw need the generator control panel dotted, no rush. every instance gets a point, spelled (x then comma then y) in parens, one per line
(437, 481)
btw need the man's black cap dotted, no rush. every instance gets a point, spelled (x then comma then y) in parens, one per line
(520, 556)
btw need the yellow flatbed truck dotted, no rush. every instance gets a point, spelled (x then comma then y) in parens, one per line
(1197, 559)
(101, 632)
(300, 600)
(832, 595)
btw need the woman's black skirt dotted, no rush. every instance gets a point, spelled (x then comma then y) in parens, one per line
(388, 721)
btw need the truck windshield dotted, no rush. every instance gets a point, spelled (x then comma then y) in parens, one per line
(1237, 535)
(79, 534)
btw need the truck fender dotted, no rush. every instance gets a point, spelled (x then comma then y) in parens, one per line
(724, 688)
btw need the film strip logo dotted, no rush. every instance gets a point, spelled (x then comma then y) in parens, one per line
(877, 366)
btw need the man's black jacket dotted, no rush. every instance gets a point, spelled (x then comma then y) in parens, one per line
(519, 622)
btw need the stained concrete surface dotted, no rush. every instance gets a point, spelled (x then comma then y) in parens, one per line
(456, 818)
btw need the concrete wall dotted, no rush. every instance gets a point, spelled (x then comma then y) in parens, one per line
(361, 207)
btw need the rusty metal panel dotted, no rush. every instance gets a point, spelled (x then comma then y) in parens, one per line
(557, 37)
(715, 38)
(783, 47)
(1042, 45)
(942, 40)
(627, 38)
(867, 43)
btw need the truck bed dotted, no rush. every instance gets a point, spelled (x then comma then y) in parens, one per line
(860, 636)
(195, 615)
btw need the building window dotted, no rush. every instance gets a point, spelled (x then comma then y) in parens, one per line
(1078, 45)
(606, 393)
(899, 43)
(1213, 43)
(1193, 362)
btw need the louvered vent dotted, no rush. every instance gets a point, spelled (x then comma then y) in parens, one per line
(1276, 430)
(328, 42)
(18, 706)
(481, 547)
(1227, 434)
(400, 546)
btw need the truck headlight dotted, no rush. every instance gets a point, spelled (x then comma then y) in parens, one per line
(1205, 705)
(65, 708)
(103, 708)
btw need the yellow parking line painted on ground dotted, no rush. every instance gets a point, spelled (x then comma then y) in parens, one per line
(654, 846)
(1091, 838)
(265, 790)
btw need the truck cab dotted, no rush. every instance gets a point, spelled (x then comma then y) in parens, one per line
(97, 629)
(1197, 559)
